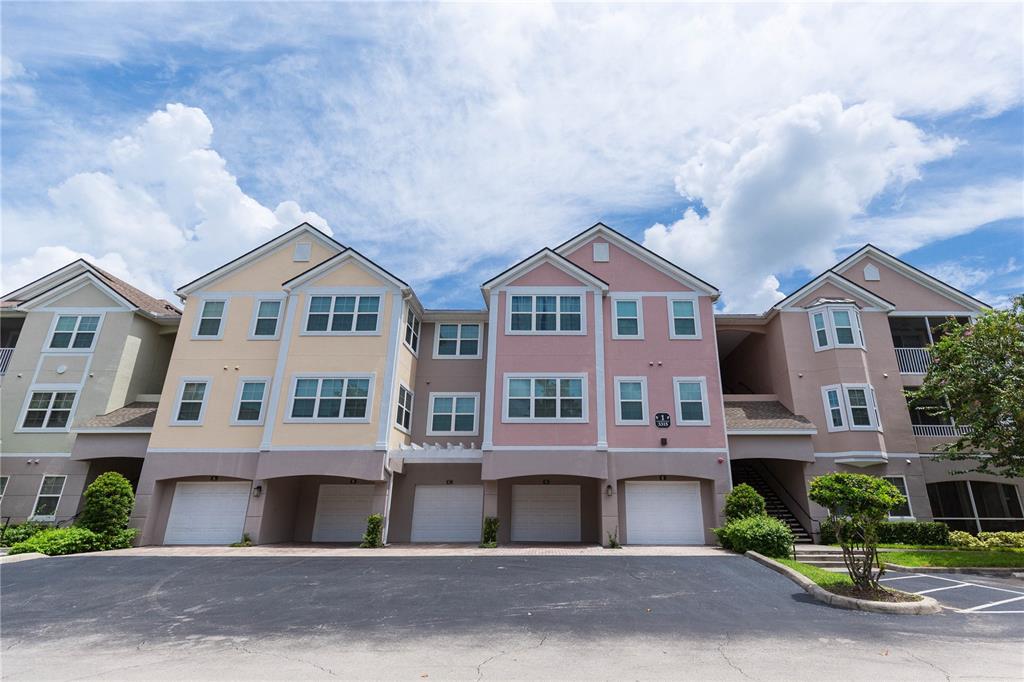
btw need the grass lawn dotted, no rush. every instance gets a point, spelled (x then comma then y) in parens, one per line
(976, 558)
(822, 577)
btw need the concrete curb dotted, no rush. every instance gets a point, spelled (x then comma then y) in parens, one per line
(926, 606)
(13, 559)
(994, 571)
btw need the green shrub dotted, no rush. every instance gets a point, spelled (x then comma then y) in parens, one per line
(122, 539)
(374, 535)
(108, 504)
(913, 533)
(246, 541)
(762, 534)
(490, 538)
(743, 502)
(59, 541)
(959, 538)
(20, 532)
(1003, 538)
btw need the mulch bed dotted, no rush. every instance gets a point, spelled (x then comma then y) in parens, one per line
(873, 595)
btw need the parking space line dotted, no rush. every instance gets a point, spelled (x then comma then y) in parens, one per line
(995, 603)
(947, 587)
(904, 577)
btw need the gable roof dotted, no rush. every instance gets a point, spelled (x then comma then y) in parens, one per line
(82, 269)
(337, 259)
(545, 255)
(256, 253)
(834, 278)
(920, 276)
(643, 253)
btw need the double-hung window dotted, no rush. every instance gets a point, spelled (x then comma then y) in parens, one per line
(403, 416)
(683, 318)
(457, 340)
(75, 332)
(452, 414)
(49, 410)
(631, 401)
(346, 314)
(334, 398)
(850, 407)
(902, 511)
(252, 396)
(629, 318)
(691, 401)
(412, 331)
(546, 314)
(836, 327)
(50, 490)
(192, 398)
(547, 398)
(266, 319)
(210, 324)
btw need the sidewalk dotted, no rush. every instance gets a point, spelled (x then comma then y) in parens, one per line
(325, 550)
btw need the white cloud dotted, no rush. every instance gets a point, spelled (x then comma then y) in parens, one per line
(782, 191)
(164, 210)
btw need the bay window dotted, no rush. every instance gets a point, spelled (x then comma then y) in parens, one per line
(836, 327)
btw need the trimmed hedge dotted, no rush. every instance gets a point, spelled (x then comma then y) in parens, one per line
(743, 502)
(986, 540)
(108, 504)
(19, 532)
(490, 537)
(73, 540)
(374, 535)
(899, 533)
(762, 534)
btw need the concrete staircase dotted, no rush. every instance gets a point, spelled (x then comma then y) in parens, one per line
(745, 473)
(829, 558)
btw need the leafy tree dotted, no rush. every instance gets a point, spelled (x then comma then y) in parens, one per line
(977, 380)
(856, 505)
(108, 504)
(743, 502)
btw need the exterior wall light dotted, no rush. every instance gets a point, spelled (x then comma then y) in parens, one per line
(608, 490)
(257, 491)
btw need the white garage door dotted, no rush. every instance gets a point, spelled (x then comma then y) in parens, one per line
(207, 513)
(341, 512)
(545, 513)
(664, 513)
(447, 513)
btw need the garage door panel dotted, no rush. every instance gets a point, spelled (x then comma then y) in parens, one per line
(664, 513)
(341, 512)
(447, 513)
(545, 513)
(207, 513)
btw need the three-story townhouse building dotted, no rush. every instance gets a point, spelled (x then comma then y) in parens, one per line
(81, 370)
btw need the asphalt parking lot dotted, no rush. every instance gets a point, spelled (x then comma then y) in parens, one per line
(717, 617)
(964, 593)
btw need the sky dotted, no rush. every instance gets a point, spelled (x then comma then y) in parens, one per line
(752, 145)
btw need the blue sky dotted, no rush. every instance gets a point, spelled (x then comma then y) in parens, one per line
(754, 146)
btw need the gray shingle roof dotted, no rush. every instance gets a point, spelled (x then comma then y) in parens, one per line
(132, 415)
(750, 415)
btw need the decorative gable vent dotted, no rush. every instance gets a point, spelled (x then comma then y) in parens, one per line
(601, 252)
(303, 252)
(871, 273)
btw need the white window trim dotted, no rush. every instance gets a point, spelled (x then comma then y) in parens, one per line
(372, 376)
(453, 395)
(830, 328)
(398, 407)
(639, 300)
(226, 300)
(35, 503)
(584, 419)
(697, 333)
(357, 293)
(53, 328)
(255, 317)
(838, 388)
(907, 494)
(238, 401)
(202, 408)
(4, 481)
(844, 403)
(49, 388)
(549, 291)
(619, 421)
(703, 381)
(479, 344)
(418, 331)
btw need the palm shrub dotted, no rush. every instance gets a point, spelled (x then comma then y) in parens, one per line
(743, 502)
(857, 504)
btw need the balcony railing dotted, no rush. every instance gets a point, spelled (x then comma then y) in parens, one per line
(913, 360)
(5, 359)
(939, 430)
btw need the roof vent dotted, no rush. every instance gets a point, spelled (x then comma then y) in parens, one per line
(871, 273)
(303, 252)
(600, 252)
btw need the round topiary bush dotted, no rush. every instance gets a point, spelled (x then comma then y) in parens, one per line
(743, 502)
(108, 504)
(762, 534)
